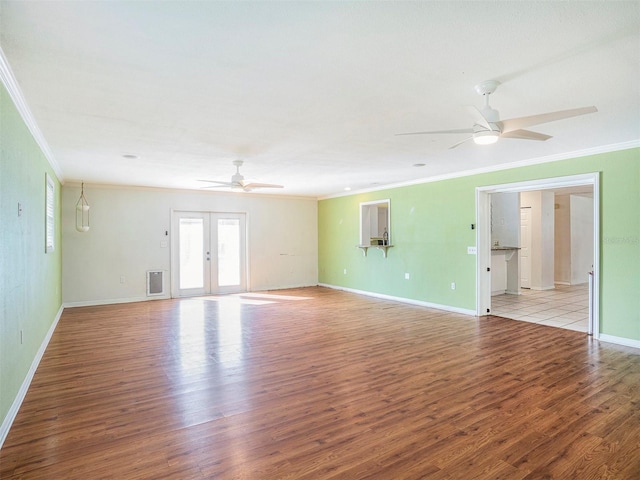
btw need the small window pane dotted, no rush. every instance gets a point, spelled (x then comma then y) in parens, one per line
(50, 218)
(191, 253)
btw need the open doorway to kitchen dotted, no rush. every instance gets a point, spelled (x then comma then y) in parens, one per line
(537, 251)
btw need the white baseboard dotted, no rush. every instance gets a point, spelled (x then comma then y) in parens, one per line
(113, 301)
(627, 342)
(447, 308)
(22, 392)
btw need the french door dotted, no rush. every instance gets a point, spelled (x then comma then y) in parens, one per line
(210, 253)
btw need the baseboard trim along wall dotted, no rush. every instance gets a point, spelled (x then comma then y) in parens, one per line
(410, 301)
(627, 342)
(17, 402)
(113, 301)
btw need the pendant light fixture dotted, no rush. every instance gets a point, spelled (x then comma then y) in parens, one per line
(82, 213)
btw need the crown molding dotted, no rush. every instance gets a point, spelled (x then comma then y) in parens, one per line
(10, 83)
(496, 168)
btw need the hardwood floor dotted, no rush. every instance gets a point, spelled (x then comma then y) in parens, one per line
(320, 384)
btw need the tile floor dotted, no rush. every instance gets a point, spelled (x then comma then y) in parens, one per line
(567, 306)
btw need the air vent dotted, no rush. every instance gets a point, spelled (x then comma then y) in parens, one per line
(155, 283)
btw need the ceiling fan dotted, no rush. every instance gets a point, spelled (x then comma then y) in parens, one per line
(488, 127)
(237, 182)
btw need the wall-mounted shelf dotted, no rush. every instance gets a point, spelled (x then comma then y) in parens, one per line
(384, 249)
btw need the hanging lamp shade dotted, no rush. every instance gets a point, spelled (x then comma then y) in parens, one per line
(82, 213)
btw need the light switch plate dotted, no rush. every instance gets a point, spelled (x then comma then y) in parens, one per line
(472, 250)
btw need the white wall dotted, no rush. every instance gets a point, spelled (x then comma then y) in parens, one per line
(563, 240)
(581, 238)
(573, 238)
(542, 237)
(128, 225)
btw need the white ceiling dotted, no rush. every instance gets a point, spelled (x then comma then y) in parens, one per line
(310, 94)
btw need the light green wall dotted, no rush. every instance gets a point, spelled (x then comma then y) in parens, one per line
(31, 284)
(430, 230)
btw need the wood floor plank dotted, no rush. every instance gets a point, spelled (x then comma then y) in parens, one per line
(315, 383)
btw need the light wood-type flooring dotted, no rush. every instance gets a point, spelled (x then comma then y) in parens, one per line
(315, 383)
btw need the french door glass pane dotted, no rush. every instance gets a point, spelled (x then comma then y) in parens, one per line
(228, 252)
(191, 253)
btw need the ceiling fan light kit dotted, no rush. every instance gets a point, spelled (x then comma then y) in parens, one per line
(488, 127)
(486, 137)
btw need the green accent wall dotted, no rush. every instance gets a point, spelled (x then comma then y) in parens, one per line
(31, 283)
(430, 231)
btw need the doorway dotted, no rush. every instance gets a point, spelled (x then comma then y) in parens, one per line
(209, 254)
(484, 240)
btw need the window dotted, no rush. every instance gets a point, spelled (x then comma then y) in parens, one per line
(50, 218)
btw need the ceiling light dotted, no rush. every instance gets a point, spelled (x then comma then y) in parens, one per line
(486, 137)
(347, 189)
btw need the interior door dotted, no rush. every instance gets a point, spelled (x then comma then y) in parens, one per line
(210, 253)
(525, 247)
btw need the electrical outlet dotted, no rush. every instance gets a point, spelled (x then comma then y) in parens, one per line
(472, 250)
(345, 271)
(122, 279)
(453, 285)
(407, 276)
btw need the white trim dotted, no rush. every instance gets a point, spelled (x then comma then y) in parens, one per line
(483, 239)
(446, 308)
(543, 183)
(22, 392)
(614, 147)
(627, 342)
(11, 84)
(113, 301)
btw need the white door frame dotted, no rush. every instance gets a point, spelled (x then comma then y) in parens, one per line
(174, 250)
(483, 236)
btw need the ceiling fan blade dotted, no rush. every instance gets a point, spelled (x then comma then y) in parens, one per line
(260, 185)
(526, 135)
(224, 184)
(460, 143)
(523, 122)
(461, 130)
(479, 117)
